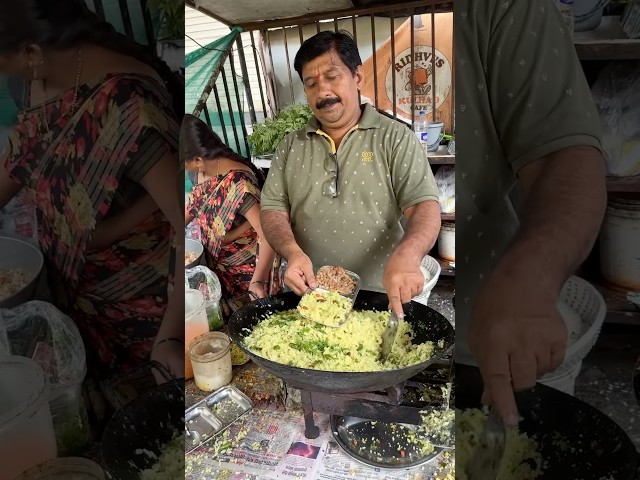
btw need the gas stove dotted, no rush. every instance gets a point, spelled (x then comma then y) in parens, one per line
(400, 403)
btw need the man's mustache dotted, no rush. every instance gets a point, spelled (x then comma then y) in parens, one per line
(327, 102)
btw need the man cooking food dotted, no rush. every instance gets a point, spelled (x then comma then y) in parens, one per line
(337, 189)
(525, 117)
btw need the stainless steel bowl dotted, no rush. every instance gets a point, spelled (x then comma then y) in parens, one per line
(191, 245)
(22, 255)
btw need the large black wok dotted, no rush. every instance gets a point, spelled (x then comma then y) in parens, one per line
(428, 325)
(146, 423)
(599, 448)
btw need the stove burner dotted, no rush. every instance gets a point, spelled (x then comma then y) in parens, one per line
(400, 403)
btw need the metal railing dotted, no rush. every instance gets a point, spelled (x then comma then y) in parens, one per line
(276, 89)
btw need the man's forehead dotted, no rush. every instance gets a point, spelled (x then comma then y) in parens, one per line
(325, 62)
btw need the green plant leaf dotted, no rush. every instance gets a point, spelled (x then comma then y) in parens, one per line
(266, 136)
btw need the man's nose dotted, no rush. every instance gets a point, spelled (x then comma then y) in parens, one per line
(324, 87)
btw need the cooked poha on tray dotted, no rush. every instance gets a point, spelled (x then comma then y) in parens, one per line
(288, 338)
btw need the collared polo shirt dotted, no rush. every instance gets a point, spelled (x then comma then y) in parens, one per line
(520, 95)
(382, 170)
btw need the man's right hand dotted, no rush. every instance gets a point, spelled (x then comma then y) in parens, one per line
(299, 275)
(517, 335)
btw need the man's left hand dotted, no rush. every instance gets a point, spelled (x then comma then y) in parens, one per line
(402, 279)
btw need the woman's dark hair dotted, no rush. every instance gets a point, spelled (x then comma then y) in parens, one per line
(198, 140)
(342, 42)
(62, 24)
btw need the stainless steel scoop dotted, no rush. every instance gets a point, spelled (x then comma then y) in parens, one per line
(389, 336)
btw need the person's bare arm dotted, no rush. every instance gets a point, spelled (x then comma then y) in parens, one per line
(421, 229)
(109, 230)
(565, 201)
(237, 232)
(160, 181)
(402, 278)
(277, 230)
(276, 227)
(188, 217)
(8, 188)
(266, 254)
(516, 332)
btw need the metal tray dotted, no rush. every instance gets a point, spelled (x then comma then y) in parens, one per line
(378, 444)
(213, 415)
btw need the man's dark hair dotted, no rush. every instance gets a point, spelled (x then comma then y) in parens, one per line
(342, 42)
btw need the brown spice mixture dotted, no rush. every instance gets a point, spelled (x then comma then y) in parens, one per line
(336, 279)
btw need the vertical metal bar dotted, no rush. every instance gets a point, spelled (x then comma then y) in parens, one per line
(375, 63)
(240, 109)
(205, 109)
(273, 70)
(355, 39)
(300, 33)
(245, 77)
(354, 28)
(126, 17)
(233, 120)
(453, 77)
(413, 75)
(286, 51)
(220, 116)
(318, 26)
(99, 9)
(148, 25)
(335, 24)
(433, 63)
(255, 60)
(393, 61)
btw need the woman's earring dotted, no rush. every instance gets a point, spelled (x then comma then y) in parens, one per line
(35, 69)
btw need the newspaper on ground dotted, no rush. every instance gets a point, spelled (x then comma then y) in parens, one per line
(267, 445)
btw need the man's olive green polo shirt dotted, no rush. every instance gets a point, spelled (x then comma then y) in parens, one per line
(520, 95)
(382, 170)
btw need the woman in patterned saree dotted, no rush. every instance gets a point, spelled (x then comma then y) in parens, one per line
(227, 206)
(95, 148)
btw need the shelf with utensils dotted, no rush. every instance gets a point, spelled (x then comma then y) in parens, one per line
(446, 270)
(620, 310)
(623, 184)
(607, 42)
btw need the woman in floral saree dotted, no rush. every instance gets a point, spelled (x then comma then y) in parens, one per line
(95, 148)
(227, 206)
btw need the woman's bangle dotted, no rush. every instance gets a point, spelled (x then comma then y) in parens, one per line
(261, 282)
(169, 339)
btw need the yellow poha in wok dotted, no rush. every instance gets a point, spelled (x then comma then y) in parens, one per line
(521, 459)
(355, 346)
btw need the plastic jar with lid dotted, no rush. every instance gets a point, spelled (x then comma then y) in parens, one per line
(195, 323)
(27, 437)
(211, 359)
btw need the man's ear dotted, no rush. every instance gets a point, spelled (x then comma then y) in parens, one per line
(359, 77)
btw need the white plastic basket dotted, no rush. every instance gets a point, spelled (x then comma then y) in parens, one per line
(430, 266)
(585, 300)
